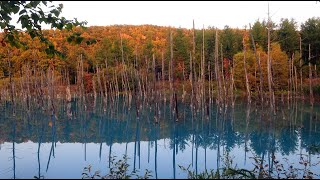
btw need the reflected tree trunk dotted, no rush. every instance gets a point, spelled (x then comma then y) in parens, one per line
(14, 147)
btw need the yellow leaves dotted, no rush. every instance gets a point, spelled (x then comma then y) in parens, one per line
(126, 36)
(279, 67)
(277, 54)
(246, 39)
(239, 68)
(50, 124)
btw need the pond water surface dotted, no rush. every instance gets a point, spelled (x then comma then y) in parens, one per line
(37, 143)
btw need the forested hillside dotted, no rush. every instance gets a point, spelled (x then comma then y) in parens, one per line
(108, 55)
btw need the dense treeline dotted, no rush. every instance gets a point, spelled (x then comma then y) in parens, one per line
(117, 58)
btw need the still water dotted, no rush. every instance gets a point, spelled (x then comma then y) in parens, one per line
(35, 143)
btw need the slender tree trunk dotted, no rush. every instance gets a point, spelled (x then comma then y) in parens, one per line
(301, 91)
(269, 67)
(171, 62)
(94, 89)
(174, 97)
(173, 93)
(289, 80)
(82, 82)
(217, 68)
(232, 84)
(184, 81)
(269, 70)
(255, 77)
(296, 80)
(194, 52)
(293, 75)
(203, 73)
(105, 83)
(209, 84)
(222, 75)
(154, 87)
(146, 79)
(191, 79)
(10, 80)
(162, 68)
(122, 57)
(28, 82)
(245, 72)
(154, 71)
(163, 77)
(310, 77)
(315, 71)
(99, 81)
(68, 92)
(259, 65)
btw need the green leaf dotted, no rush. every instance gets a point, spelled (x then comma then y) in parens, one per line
(49, 52)
(51, 47)
(6, 17)
(34, 4)
(2, 25)
(55, 12)
(69, 39)
(11, 27)
(32, 34)
(28, 5)
(77, 33)
(24, 22)
(15, 9)
(44, 3)
(22, 11)
(41, 12)
(49, 19)
(10, 37)
(79, 40)
(60, 26)
(35, 18)
(69, 26)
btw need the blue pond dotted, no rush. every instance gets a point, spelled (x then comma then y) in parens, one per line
(35, 143)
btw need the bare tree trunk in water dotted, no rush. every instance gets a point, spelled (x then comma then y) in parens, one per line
(293, 75)
(310, 77)
(222, 75)
(217, 69)
(245, 72)
(259, 65)
(194, 52)
(170, 70)
(270, 84)
(289, 81)
(203, 92)
(232, 84)
(68, 93)
(11, 83)
(301, 91)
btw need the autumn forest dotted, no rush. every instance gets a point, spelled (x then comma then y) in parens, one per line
(77, 95)
(124, 59)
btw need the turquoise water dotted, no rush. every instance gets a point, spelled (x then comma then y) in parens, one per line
(35, 143)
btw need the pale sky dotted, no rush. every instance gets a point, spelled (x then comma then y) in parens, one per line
(180, 14)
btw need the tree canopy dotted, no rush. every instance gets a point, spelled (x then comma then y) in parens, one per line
(32, 15)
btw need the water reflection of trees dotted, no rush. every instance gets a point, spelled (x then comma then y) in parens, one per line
(253, 126)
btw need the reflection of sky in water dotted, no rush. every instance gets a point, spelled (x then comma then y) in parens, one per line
(69, 159)
(291, 133)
